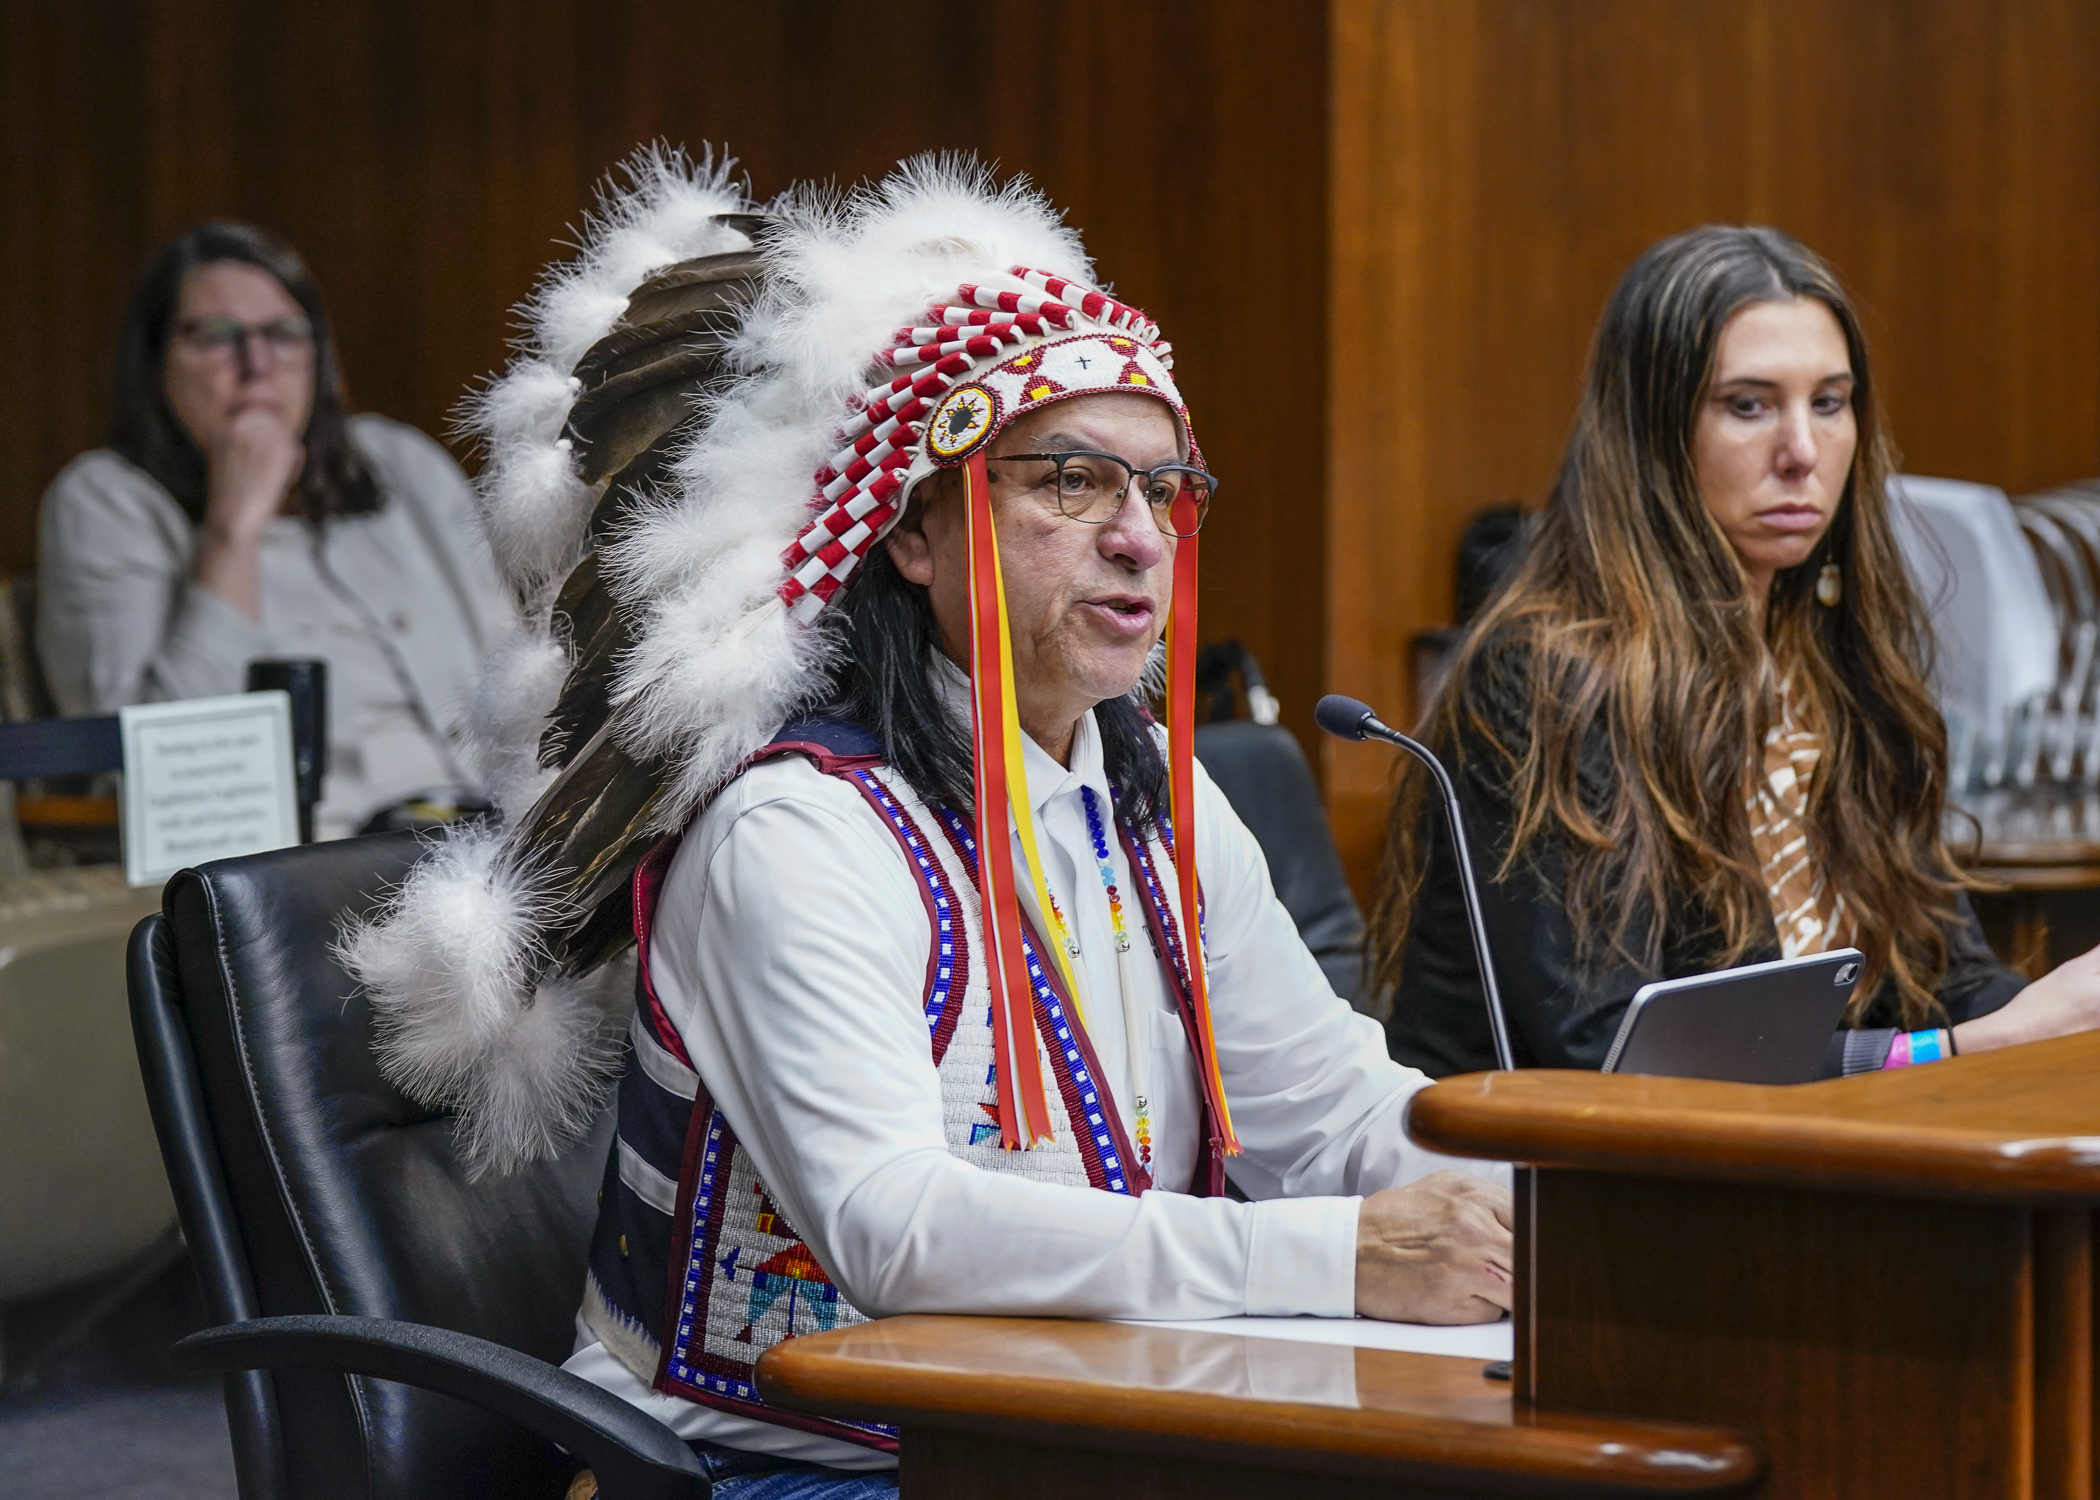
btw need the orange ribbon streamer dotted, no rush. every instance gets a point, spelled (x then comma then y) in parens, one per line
(1024, 1108)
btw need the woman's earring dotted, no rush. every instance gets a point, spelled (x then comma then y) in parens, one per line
(1830, 586)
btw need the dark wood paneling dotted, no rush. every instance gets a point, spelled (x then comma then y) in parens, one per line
(426, 157)
(2066, 1396)
(1498, 163)
(1878, 1346)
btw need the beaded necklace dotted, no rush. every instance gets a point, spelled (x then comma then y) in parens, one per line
(1133, 1042)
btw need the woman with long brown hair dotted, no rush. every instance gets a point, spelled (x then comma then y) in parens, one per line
(1693, 729)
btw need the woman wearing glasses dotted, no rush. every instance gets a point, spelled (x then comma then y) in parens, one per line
(1692, 729)
(238, 512)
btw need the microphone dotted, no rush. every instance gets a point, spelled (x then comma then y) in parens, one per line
(1351, 719)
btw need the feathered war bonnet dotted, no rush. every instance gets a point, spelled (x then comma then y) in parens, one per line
(712, 418)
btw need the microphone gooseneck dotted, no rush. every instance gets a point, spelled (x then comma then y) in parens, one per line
(1351, 719)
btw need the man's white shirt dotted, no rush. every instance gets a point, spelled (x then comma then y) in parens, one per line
(789, 951)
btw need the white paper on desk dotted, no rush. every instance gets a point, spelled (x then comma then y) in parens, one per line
(1482, 1341)
(206, 778)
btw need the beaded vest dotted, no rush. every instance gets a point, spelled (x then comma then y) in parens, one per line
(694, 1270)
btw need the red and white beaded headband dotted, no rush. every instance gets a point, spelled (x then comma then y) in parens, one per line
(1059, 340)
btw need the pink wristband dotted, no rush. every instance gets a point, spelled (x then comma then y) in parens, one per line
(1913, 1047)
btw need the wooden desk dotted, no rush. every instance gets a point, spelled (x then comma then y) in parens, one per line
(2037, 843)
(1889, 1279)
(2030, 875)
(1884, 1285)
(1039, 1409)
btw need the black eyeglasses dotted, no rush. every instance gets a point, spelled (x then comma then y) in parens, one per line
(1091, 488)
(216, 338)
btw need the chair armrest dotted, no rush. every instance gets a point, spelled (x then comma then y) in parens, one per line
(634, 1456)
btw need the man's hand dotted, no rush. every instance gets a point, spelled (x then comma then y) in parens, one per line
(1435, 1251)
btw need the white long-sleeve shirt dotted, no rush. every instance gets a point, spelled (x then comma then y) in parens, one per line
(790, 953)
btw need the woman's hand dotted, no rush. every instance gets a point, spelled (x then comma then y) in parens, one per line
(2064, 1000)
(254, 465)
(1435, 1251)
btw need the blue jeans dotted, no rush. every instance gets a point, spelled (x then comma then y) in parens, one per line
(738, 1475)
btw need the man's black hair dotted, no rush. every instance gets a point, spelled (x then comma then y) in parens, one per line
(890, 640)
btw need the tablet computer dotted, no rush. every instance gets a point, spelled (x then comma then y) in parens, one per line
(1762, 1023)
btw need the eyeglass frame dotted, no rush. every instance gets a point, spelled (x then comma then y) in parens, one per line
(285, 345)
(1132, 473)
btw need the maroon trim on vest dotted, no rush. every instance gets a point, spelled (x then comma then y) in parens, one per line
(648, 885)
(681, 1233)
(1139, 1178)
(702, 1253)
(656, 865)
(963, 856)
(959, 967)
(1209, 1179)
(828, 760)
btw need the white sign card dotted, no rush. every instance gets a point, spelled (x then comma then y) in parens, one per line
(206, 778)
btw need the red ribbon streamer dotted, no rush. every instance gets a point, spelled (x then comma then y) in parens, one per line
(1181, 793)
(1024, 1109)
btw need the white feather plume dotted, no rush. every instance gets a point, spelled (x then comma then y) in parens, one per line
(717, 664)
(533, 504)
(449, 964)
(507, 714)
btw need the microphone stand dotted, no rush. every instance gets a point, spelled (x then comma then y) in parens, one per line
(1349, 719)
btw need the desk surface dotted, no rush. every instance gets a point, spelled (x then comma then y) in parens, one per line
(2020, 1123)
(1421, 1418)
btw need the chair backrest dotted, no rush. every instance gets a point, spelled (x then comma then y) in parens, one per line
(1266, 778)
(307, 1183)
(1995, 634)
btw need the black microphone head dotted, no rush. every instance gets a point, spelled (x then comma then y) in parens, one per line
(1344, 718)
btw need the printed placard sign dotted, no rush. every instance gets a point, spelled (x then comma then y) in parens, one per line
(207, 778)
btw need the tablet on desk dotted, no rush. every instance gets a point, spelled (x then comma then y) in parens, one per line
(1762, 1023)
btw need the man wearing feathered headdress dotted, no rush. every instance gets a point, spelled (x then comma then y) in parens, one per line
(853, 531)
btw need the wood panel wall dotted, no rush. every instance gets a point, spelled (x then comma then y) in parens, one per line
(1456, 182)
(426, 158)
(1498, 163)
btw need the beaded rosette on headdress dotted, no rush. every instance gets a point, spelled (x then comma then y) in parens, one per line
(656, 509)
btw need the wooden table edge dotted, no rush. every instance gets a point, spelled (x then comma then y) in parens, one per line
(1928, 1145)
(1565, 1454)
(1775, 1151)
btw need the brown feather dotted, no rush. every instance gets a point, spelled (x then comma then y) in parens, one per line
(640, 384)
(587, 832)
(640, 379)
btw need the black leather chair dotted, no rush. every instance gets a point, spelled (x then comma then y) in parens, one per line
(1265, 776)
(334, 1229)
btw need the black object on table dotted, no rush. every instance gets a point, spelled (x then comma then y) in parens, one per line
(305, 681)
